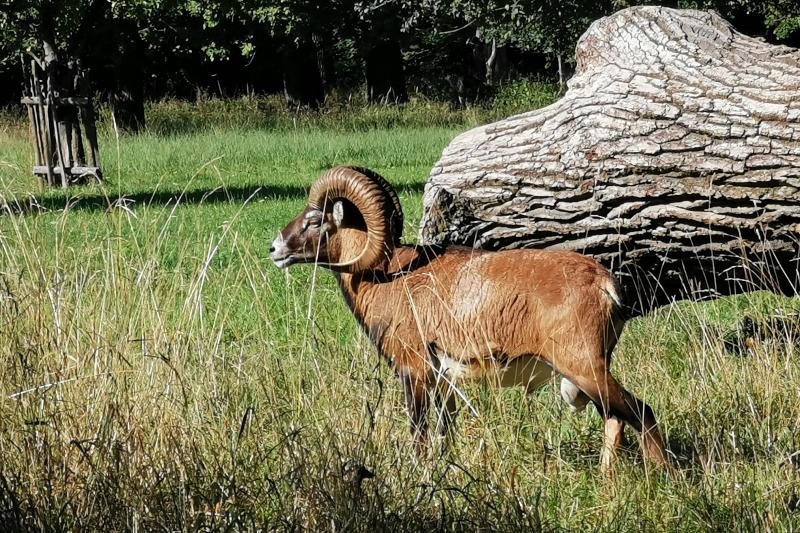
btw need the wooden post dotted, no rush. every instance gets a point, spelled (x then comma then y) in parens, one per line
(58, 113)
(59, 130)
(44, 125)
(32, 117)
(86, 116)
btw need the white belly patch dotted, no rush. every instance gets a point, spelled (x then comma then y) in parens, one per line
(455, 370)
(526, 371)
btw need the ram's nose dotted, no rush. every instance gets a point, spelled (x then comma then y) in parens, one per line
(279, 253)
(278, 246)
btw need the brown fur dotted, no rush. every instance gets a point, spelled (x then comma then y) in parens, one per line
(482, 311)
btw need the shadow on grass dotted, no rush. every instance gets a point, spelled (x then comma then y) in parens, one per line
(102, 202)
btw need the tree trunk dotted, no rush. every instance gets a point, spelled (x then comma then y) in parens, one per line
(302, 81)
(325, 62)
(127, 98)
(386, 81)
(560, 72)
(490, 78)
(673, 158)
(58, 84)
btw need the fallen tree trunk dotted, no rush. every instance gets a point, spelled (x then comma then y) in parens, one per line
(673, 158)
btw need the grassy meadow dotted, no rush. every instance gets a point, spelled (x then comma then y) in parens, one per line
(158, 373)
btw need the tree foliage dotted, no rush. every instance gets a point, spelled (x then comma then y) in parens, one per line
(231, 46)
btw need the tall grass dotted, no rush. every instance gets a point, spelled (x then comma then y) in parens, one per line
(158, 373)
(250, 113)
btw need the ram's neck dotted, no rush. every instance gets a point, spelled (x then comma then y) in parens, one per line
(359, 290)
(379, 297)
(365, 289)
(350, 291)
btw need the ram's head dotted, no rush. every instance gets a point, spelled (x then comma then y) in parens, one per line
(351, 224)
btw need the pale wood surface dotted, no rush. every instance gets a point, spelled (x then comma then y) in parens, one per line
(674, 154)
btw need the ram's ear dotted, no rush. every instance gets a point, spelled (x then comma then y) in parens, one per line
(338, 213)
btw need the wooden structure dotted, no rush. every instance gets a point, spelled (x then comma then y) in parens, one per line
(61, 113)
(673, 159)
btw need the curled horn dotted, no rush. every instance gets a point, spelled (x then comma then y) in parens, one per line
(378, 204)
(396, 216)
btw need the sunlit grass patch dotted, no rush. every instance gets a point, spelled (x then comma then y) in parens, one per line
(157, 372)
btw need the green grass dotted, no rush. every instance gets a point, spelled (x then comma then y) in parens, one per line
(158, 373)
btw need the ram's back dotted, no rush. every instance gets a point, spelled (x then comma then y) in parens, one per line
(475, 306)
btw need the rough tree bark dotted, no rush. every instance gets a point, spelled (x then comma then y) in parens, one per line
(673, 158)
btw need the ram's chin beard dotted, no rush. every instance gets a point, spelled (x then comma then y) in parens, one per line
(283, 262)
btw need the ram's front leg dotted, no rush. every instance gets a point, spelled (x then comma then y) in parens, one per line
(418, 399)
(446, 411)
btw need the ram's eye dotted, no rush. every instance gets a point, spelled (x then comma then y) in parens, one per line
(311, 223)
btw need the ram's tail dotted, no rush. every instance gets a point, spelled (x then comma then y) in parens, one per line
(618, 315)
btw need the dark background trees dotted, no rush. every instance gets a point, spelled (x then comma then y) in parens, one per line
(458, 50)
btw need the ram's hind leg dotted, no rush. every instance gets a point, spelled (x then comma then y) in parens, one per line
(574, 396)
(614, 427)
(619, 407)
(612, 439)
(620, 404)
